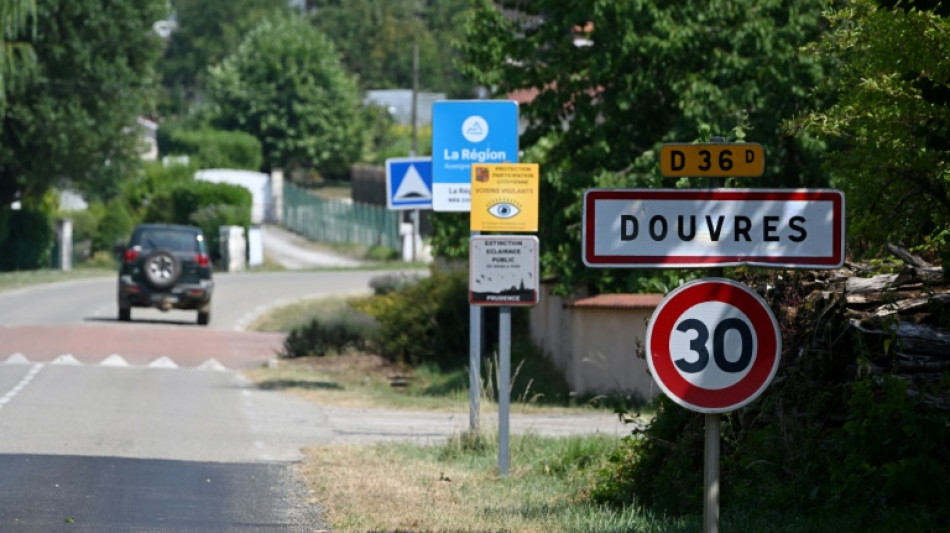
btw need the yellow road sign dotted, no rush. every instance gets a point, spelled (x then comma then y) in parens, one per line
(505, 197)
(736, 160)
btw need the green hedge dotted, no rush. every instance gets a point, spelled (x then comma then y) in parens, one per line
(28, 241)
(210, 148)
(203, 204)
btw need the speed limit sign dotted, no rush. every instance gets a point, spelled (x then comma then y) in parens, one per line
(713, 345)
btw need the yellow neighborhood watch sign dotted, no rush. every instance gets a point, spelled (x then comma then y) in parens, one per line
(505, 197)
(739, 160)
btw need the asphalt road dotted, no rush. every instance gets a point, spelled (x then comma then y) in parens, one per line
(146, 426)
(150, 425)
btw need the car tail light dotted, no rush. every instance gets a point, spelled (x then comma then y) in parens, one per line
(202, 260)
(131, 255)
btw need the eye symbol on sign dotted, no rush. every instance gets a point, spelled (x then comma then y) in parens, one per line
(503, 210)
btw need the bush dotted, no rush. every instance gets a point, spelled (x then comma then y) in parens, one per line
(115, 226)
(847, 448)
(28, 242)
(388, 283)
(177, 204)
(211, 148)
(320, 337)
(424, 322)
(211, 217)
(144, 190)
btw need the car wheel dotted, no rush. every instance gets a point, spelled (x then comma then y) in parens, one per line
(161, 269)
(204, 315)
(125, 314)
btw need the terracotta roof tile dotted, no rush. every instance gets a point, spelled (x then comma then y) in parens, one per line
(621, 301)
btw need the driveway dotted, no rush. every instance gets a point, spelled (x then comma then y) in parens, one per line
(297, 253)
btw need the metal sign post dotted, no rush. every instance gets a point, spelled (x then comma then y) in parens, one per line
(504, 388)
(466, 132)
(503, 272)
(711, 460)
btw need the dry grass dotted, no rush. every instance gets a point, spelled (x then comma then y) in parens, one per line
(389, 488)
(366, 380)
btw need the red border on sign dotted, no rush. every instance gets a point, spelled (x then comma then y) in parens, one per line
(661, 360)
(678, 261)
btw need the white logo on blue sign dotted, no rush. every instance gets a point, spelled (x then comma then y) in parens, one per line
(409, 183)
(475, 129)
(466, 132)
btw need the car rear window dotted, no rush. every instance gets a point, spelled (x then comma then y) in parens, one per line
(167, 239)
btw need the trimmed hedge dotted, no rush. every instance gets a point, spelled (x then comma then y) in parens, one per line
(28, 242)
(203, 204)
(211, 148)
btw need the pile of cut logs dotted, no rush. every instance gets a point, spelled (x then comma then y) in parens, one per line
(903, 317)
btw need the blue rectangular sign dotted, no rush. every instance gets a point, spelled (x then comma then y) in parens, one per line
(409, 183)
(466, 132)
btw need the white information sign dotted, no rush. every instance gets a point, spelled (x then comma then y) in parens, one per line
(681, 228)
(503, 270)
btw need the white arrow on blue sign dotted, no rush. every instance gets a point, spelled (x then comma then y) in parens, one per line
(409, 183)
(466, 132)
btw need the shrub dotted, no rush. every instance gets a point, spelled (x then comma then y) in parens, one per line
(388, 283)
(424, 322)
(850, 449)
(320, 336)
(177, 204)
(28, 243)
(211, 148)
(211, 217)
(115, 226)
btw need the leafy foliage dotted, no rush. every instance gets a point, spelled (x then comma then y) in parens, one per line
(208, 31)
(890, 126)
(322, 337)
(72, 120)
(27, 242)
(829, 440)
(204, 204)
(16, 57)
(423, 322)
(611, 81)
(285, 86)
(375, 40)
(211, 148)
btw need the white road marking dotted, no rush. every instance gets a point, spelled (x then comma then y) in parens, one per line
(114, 360)
(163, 362)
(66, 359)
(211, 364)
(17, 359)
(5, 399)
(117, 361)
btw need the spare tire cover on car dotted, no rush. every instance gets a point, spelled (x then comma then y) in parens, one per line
(161, 269)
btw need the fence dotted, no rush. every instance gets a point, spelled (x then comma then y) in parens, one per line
(337, 221)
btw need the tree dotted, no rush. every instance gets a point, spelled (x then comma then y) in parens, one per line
(16, 57)
(890, 124)
(74, 120)
(208, 31)
(376, 37)
(614, 80)
(285, 86)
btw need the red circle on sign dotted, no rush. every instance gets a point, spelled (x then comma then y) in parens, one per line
(765, 360)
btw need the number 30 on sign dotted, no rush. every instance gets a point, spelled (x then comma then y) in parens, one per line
(713, 345)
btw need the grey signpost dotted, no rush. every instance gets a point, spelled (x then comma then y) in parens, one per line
(503, 272)
(463, 132)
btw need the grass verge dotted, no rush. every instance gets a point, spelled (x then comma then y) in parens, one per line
(26, 278)
(455, 488)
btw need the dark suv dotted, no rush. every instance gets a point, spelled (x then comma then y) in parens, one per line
(165, 266)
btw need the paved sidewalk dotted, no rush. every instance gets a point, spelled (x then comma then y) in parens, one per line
(296, 253)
